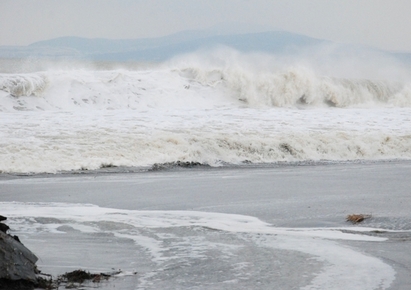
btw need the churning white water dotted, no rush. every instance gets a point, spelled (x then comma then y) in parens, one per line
(223, 108)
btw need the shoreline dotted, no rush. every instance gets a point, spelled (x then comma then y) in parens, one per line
(175, 166)
(167, 224)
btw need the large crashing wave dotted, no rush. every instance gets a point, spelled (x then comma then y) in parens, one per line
(188, 84)
(226, 109)
(299, 86)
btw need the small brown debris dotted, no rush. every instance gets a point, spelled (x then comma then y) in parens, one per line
(378, 232)
(96, 279)
(78, 276)
(357, 218)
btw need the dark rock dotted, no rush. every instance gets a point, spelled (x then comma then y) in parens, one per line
(6, 284)
(2, 218)
(16, 261)
(17, 239)
(4, 228)
(177, 164)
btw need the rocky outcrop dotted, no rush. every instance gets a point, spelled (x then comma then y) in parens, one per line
(18, 269)
(16, 261)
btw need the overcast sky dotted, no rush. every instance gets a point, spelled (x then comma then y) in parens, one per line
(380, 23)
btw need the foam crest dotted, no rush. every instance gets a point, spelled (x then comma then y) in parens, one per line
(19, 85)
(77, 90)
(296, 86)
(224, 78)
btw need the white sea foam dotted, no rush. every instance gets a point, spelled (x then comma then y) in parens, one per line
(143, 226)
(208, 81)
(55, 141)
(214, 109)
(18, 85)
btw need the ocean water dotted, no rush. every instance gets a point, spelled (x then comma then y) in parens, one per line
(221, 108)
(246, 225)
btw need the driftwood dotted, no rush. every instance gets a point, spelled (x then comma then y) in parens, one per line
(357, 218)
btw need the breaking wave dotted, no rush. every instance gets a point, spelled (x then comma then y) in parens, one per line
(18, 85)
(300, 86)
(191, 111)
(195, 86)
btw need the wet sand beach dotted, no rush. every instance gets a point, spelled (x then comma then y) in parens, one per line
(282, 227)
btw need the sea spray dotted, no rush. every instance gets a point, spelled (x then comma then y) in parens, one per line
(220, 109)
(196, 85)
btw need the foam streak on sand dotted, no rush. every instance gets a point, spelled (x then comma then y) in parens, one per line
(338, 260)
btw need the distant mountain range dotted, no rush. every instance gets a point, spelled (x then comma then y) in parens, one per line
(157, 49)
(162, 48)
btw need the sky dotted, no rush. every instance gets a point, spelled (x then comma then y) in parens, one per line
(384, 24)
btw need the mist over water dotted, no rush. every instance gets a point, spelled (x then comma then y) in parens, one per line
(215, 107)
(313, 79)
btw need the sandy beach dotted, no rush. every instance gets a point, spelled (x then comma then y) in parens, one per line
(279, 227)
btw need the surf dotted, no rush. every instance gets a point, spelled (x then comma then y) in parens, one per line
(201, 80)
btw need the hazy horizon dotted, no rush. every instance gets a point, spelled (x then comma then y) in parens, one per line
(380, 24)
